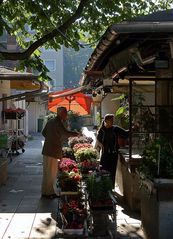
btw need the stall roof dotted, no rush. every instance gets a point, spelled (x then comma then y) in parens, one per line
(129, 49)
(9, 74)
(22, 81)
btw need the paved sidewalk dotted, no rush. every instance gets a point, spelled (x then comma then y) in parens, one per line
(24, 214)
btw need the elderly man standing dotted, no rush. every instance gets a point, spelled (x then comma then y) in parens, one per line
(54, 133)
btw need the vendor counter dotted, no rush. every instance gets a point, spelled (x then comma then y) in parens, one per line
(127, 179)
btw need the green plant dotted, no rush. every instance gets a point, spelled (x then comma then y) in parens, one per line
(122, 113)
(157, 159)
(98, 187)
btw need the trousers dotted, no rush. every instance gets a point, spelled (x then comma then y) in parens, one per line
(108, 162)
(50, 171)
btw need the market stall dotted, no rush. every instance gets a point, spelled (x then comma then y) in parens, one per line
(142, 50)
(85, 198)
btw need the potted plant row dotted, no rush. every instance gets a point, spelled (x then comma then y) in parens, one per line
(98, 184)
(69, 183)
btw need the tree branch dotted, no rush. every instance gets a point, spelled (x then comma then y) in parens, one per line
(59, 30)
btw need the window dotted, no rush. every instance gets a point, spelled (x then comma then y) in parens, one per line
(3, 40)
(50, 64)
(3, 37)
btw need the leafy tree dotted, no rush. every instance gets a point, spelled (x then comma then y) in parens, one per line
(63, 22)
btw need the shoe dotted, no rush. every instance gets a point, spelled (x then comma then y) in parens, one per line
(51, 196)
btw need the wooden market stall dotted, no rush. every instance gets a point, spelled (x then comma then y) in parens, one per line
(136, 51)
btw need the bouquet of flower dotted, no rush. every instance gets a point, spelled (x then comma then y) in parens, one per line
(69, 175)
(87, 165)
(67, 165)
(86, 154)
(81, 146)
(69, 181)
(74, 213)
(79, 140)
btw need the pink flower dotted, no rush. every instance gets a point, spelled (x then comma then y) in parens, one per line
(81, 146)
(67, 164)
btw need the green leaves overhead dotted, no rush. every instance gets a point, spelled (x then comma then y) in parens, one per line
(56, 22)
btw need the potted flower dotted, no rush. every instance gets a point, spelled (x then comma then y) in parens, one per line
(88, 165)
(69, 181)
(156, 170)
(67, 165)
(75, 214)
(81, 146)
(76, 140)
(86, 159)
(86, 153)
(69, 175)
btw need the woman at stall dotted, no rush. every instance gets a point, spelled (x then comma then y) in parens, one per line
(107, 137)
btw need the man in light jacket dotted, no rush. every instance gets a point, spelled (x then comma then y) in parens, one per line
(54, 133)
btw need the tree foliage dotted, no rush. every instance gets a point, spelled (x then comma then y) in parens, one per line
(63, 22)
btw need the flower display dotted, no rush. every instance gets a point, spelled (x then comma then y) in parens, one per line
(69, 175)
(74, 213)
(86, 154)
(87, 165)
(79, 140)
(67, 164)
(71, 171)
(81, 146)
(69, 181)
